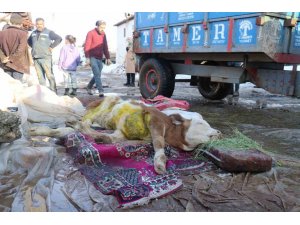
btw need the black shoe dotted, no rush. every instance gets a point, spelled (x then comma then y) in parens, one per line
(132, 85)
(73, 93)
(236, 94)
(66, 91)
(126, 84)
(101, 95)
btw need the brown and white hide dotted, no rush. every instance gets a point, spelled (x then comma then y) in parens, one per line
(135, 121)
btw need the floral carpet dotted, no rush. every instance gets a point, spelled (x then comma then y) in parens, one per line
(126, 170)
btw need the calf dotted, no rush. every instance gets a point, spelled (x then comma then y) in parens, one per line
(131, 120)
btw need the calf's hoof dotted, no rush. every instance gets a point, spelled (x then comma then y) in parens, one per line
(103, 140)
(160, 163)
(32, 131)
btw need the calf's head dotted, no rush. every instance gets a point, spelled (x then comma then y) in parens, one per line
(195, 129)
(199, 132)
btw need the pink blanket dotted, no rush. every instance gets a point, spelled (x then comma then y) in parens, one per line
(126, 171)
(161, 102)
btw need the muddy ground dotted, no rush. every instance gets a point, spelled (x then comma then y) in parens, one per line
(276, 127)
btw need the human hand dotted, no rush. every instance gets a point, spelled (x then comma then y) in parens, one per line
(50, 49)
(87, 61)
(5, 60)
(108, 62)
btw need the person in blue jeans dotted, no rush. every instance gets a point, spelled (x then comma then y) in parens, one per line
(94, 48)
(42, 41)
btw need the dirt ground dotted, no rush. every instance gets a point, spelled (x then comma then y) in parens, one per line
(276, 127)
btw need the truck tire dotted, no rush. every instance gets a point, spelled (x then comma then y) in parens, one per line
(213, 90)
(156, 78)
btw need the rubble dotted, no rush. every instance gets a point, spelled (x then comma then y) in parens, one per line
(9, 127)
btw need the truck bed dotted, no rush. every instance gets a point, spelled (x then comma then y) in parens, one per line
(266, 37)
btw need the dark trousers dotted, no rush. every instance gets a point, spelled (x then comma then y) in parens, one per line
(130, 78)
(14, 74)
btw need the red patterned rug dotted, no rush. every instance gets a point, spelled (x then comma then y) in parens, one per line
(126, 171)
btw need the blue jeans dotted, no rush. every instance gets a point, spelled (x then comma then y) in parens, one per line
(43, 69)
(97, 66)
(70, 79)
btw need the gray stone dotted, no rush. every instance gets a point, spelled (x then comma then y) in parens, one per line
(9, 127)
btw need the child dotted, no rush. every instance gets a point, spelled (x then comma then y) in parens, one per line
(130, 68)
(69, 59)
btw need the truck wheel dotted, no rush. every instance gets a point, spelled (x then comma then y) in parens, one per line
(213, 90)
(156, 78)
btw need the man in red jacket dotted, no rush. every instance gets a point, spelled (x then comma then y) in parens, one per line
(94, 48)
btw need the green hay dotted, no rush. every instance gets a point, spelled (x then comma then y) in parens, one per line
(237, 141)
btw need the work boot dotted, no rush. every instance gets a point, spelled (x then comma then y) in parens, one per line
(66, 91)
(128, 80)
(73, 91)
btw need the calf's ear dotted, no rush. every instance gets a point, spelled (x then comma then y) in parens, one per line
(177, 119)
(94, 104)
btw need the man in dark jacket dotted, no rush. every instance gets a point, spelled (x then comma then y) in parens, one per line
(42, 41)
(94, 48)
(13, 49)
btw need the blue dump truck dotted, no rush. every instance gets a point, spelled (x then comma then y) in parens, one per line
(218, 50)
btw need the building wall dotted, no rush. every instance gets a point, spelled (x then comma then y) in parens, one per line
(123, 40)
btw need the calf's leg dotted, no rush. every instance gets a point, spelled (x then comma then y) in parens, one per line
(49, 132)
(158, 140)
(115, 137)
(85, 127)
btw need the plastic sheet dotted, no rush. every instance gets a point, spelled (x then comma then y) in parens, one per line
(29, 166)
